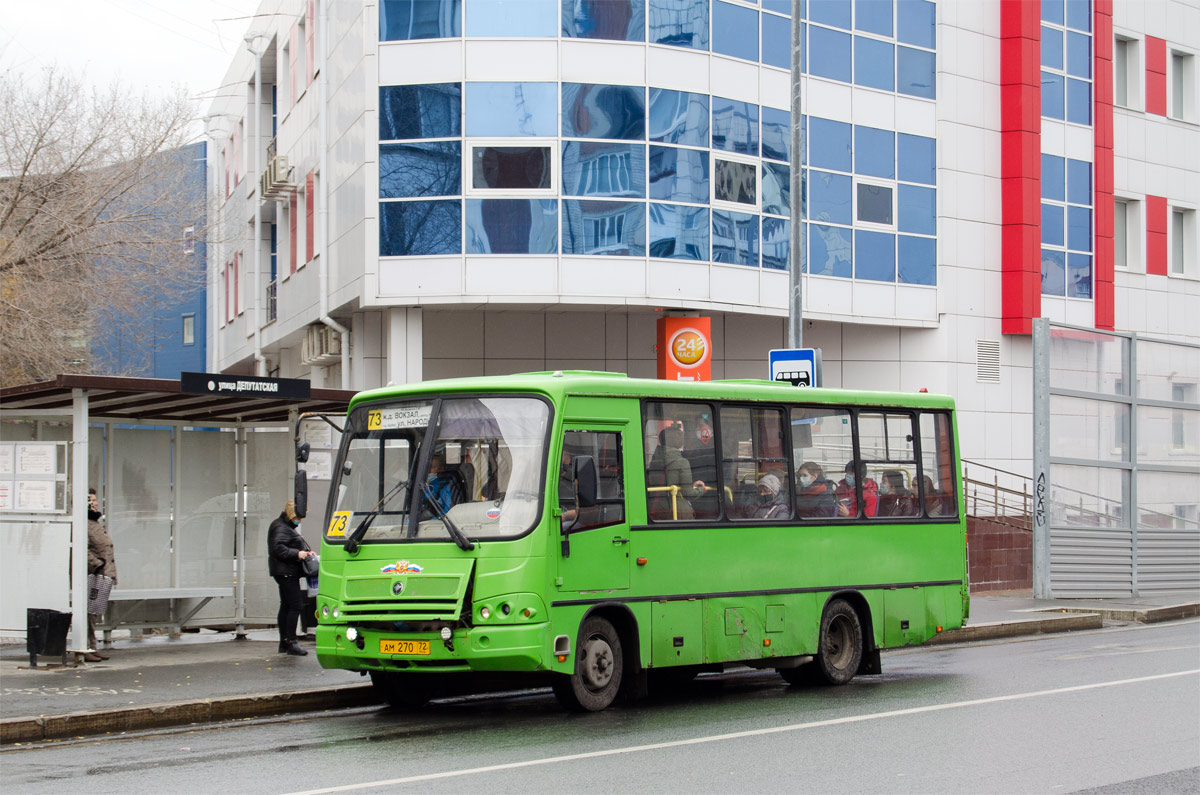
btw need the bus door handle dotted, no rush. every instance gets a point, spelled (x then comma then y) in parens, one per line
(620, 540)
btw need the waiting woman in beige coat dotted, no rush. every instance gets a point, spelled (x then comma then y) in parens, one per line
(101, 560)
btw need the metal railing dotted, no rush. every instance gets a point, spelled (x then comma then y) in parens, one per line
(997, 494)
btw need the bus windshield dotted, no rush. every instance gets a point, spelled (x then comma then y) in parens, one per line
(484, 474)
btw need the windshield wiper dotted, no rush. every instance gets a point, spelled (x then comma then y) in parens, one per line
(459, 537)
(351, 544)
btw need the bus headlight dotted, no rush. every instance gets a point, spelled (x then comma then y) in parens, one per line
(485, 612)
(335, 612)
(324, 611)
(351, 634)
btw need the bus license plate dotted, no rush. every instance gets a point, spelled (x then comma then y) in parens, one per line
(404, 647)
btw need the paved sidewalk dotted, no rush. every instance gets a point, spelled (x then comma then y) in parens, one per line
(202, 677)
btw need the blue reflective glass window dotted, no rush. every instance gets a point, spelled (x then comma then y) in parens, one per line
(512, 18)
(1079, 101)
(829, 198)
(679, 175)
(874, 64)
(512, 226)
(1079, 54)
(916, 260)
(874, 256)
(874, 152)
(829, 144)
(873, 16)
(830, 51)
(917, 210)
(1054, 178)
(914, 73)
(678, 232)
(1052, 225)
(590, 168)
(735, 31)
(511, 167)
(734, 238)
(506, 110)
(1079, 228)
(830, 12)
(1053, 97)
(1079, 182)
(680, 24)
(616, 229)
(421, 111)
(829, 251)
(1054, 272)
(875, 204)
(1052, 48)
(735, 126)
(678, 117)
(599, 111)
(1079, 14)
(915, 22)
(1052, 11)
(776, 134)
(777, 41)
(616, 20)
(779, 6)
(775, 243)
(776, 188)
(403, 20)
(410, 229)
(1079, 276)
(916, 158)
(420, 169)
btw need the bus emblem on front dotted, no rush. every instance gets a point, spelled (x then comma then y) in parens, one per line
(397, 588)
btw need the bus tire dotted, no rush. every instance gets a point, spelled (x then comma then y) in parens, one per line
(599, 668)
(401, 692)
(840, 644)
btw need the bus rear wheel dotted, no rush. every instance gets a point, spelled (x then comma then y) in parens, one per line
(599, 667)
(400, 691)
(840, 645)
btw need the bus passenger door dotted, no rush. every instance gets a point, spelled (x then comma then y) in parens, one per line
(593, 522)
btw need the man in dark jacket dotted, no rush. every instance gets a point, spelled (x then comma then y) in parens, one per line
(285, 549)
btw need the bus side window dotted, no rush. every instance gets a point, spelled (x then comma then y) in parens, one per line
(822, 445)
(681, 462)
(604, 447)
(938, 489)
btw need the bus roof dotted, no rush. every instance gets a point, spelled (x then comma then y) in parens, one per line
(561, 383)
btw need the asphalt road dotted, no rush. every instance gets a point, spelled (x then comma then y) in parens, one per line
(1107, 711)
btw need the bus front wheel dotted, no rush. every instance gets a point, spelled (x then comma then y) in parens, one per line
(599, 667)
(840, 645)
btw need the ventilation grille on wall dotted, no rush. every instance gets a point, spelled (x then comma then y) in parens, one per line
(987, 361)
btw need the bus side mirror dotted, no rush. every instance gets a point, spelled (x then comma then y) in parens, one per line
(300, 499)
(302, 453)
(587, 482)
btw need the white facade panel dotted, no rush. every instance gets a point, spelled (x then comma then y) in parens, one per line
(496, 276)
(506, 60)
(677, 69)
(677, 280)
(417, 277)
(619, 276)
(733, 79)
(420, 62)
(734, 284)
(615, 63)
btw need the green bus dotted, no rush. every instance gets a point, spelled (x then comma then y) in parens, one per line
(605, 531)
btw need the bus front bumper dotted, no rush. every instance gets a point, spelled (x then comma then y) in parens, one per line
(527, 647)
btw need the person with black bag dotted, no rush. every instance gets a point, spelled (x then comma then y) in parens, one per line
(287, 554)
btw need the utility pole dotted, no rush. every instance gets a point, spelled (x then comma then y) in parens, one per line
(796, 249)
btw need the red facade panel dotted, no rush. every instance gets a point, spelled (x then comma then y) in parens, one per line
(310, 35)
(1156, 76)
(293, 224)
(1103, 299)
(1156, 235)
(310, 204)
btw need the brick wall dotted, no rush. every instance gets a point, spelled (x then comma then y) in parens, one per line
(999, 556)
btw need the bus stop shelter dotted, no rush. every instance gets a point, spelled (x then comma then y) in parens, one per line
(188, 483)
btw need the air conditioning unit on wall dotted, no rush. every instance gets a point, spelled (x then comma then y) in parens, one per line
(321, 345)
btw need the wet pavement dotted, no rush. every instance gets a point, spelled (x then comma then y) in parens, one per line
(161, 680)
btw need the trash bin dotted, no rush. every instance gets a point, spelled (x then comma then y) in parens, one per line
(46, 633)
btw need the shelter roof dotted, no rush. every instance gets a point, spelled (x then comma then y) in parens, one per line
(147, 400)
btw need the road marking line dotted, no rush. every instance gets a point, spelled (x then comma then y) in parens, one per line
(737, 735)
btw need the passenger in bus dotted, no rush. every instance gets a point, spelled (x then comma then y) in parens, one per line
(668, 467)
(772, 502)
(847, 497)
(894, 497)
(442, 485)
(566, 491)
(815, 496)
(935, 503)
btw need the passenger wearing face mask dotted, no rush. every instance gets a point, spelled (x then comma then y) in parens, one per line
(815, 495)
(847, 496)
(285, 549)
(772, 502)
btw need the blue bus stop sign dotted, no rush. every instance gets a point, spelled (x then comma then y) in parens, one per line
(797, 366)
